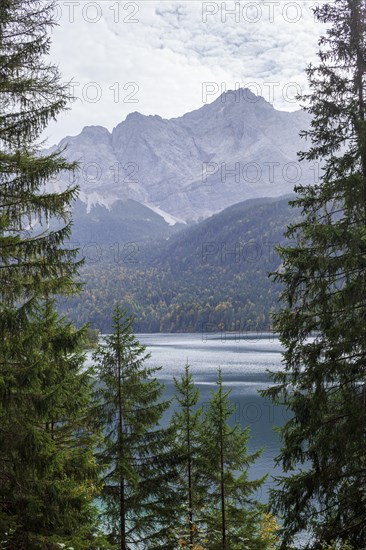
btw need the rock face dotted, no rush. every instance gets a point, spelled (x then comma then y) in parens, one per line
(236, 148)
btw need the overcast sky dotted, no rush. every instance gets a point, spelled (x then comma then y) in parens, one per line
(170, 57)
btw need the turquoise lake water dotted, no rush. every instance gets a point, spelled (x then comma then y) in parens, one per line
(244, 362)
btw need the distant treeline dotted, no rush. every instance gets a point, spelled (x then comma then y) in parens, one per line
(214, 274)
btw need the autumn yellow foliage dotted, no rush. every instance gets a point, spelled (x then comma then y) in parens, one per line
(269, 531)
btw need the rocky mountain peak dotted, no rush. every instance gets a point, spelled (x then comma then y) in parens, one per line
(236, 148)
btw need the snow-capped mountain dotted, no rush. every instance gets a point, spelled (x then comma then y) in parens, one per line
(236, 148)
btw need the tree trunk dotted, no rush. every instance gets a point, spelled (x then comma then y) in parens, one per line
(189, 468)
(122, 507)
(222, 483)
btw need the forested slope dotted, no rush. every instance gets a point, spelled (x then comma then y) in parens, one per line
(210, 276)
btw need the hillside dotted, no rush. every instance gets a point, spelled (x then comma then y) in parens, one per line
(208, 277)
(123, 222)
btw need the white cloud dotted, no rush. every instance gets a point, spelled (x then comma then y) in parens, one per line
(154, 56)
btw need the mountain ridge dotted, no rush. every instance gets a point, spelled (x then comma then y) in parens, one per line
(236, 148)
(212, 275)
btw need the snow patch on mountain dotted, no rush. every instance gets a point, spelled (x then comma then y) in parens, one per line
(96, 199)
(171, 220)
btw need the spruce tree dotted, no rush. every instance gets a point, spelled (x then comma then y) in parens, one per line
(48, 474)
(231, 515)
(32, 260)
(322, 321)
(189, 485)
(135, 453)
(46, 468)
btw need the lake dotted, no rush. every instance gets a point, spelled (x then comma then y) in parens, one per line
(244, 361)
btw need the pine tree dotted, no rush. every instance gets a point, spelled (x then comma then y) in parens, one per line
(137, 499)
(48, 474)
(47, 470)
(232, 516)
(322, 321)
(32, 260)
(190, 488)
